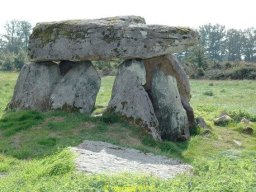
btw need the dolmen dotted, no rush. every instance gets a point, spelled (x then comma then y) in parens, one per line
(151, 88)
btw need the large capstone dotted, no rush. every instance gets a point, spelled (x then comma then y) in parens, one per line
(104, 39)
(173, 122)
(170, 66)
(129, 98)
(34, 86)
(78, 88)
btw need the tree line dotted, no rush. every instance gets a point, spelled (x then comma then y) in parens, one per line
(217, 44)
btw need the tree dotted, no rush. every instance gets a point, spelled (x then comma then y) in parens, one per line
(213, 40)
(16, 35)
(249, 44)
(234, 44)
(197, 56)
(25, 28)
(12, 36)
(14, 44)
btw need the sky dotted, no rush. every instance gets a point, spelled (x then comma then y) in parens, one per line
(239, 14)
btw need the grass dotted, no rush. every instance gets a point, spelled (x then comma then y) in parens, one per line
(104, 94)
(225, 95)
(7, 83)
(33, 153)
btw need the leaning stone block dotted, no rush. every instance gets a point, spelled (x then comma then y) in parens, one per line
(173, 122)
(170, 66)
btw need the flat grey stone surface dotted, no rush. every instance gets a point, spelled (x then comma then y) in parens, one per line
(104, 158)
(108, 38)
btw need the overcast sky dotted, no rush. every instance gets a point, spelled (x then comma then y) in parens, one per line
(238, 14)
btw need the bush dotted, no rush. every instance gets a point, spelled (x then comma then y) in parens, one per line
(20, 59)
(243, 72)
(230, 70)
(200, 72)
(11, 61)
(228, 65)
(106, 68)
(7, 63)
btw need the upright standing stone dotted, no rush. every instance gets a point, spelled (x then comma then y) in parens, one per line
(129, 98)
(173, 123)
(34, 86)
(78, 88)
(170, 66)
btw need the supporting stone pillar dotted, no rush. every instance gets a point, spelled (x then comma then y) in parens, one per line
(34, 86)
(154, 93)
(170, 66)
(78, 88)
(129, 98)
(69, 86)
(173, 122)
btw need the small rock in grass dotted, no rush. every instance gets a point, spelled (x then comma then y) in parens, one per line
(222, 120)
(238, 143)
(245, 121)
(201, 122)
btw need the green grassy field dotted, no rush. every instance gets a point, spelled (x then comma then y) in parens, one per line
(34, 155)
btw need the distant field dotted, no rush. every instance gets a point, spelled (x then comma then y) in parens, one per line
(220, 95)
(224, 95)
(7, 83)
(33, 153)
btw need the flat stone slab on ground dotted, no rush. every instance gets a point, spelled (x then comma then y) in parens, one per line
(108, 38)
(3, 175)
(104, 158)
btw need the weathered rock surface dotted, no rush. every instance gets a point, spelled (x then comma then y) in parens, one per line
(119, 37)
(222, 120)
(173, 122)
(201, 122)
(129, 97)
(78, 88)
(245, 121)
(170, 66)
(34, 86)
(70, 86)
(103, 158)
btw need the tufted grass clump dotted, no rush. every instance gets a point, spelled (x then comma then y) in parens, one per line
(237, 115)
(208, 93)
